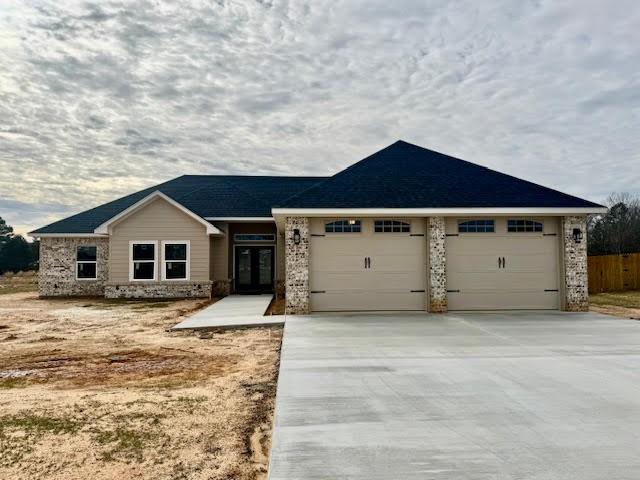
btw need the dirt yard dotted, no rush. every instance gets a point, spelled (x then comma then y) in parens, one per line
(622, 304)
(99, 389)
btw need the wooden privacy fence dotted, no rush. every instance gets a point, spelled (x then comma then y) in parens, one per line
(608, 273)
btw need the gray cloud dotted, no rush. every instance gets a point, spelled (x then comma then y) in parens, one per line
(98, 99)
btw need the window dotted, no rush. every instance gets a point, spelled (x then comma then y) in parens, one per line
(476, 226)
(343, 226)
(87, 262)
(391, 226)
(254, 237)
(522, 225)
(143, 256)
(175, 260)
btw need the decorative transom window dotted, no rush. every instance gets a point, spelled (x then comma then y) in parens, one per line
(343, 226)
(391, 226)
(87, 262)
(476, 226)
(522, 225)
(175, 260)
(143, 258)
(254, 237)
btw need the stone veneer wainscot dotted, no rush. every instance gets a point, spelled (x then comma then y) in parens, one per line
(159, 290)
(57, 275)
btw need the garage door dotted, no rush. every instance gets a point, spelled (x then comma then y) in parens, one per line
(502, 264)
(354, 267)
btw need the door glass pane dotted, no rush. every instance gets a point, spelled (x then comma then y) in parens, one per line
(244, 266)
(265, 255)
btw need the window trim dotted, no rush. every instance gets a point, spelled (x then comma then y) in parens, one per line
(403, 223)
(533, 220)
(464, 220)
(155, 260)
(357, 221)
(78, 262)
(187, 261)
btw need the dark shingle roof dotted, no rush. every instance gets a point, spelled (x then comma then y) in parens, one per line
(205, 195)
(403, 175)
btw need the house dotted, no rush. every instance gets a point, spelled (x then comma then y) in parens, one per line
(404, 229)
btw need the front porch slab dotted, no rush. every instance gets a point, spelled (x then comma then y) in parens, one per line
(233, 311)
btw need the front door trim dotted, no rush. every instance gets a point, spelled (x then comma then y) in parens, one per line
(274, 263)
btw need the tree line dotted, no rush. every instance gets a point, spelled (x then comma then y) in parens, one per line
(618, 230)
(16, 254)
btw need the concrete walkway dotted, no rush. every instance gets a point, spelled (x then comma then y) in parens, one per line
(233, 311)
(467, 397)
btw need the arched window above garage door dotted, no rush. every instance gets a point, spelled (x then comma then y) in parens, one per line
(343, 226)
(391, 226)
(523, 225)
(476, 226)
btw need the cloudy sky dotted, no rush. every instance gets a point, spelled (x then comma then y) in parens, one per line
(101, 99)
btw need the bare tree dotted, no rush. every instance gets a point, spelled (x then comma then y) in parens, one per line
(618, 230)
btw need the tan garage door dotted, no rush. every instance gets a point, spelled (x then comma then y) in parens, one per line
(502, 270)
(367, 270)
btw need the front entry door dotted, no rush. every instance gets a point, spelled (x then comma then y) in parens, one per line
(254, 269)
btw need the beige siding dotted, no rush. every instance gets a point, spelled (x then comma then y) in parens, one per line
(219, 254)
(159, 221)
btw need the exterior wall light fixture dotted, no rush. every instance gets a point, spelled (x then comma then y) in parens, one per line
(577, 235)
(296, 236)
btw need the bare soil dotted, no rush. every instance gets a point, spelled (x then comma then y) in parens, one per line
(94, 388)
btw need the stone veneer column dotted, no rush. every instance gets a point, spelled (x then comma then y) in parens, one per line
(575, 265)
(297, 266)
(437, 265)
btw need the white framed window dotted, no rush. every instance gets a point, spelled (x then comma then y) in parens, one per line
(143, 260)
(476, 226)
(175, 259)
(391, 226)
(523, 225)
(343, 226)
(86, 262)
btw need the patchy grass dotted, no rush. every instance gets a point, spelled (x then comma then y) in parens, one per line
(621, 304)
(126, 444)
(18, 282)
(627, 299)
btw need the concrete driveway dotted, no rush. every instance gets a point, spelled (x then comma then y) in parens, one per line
(544, 396)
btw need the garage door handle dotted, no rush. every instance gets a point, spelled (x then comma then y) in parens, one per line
(504, 262)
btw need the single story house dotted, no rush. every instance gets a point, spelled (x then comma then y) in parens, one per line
(404, 229)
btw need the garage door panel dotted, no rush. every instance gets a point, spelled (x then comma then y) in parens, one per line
(394, 280)
(480, 262)
(504, 300)
(476, 280)
(354, 299)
